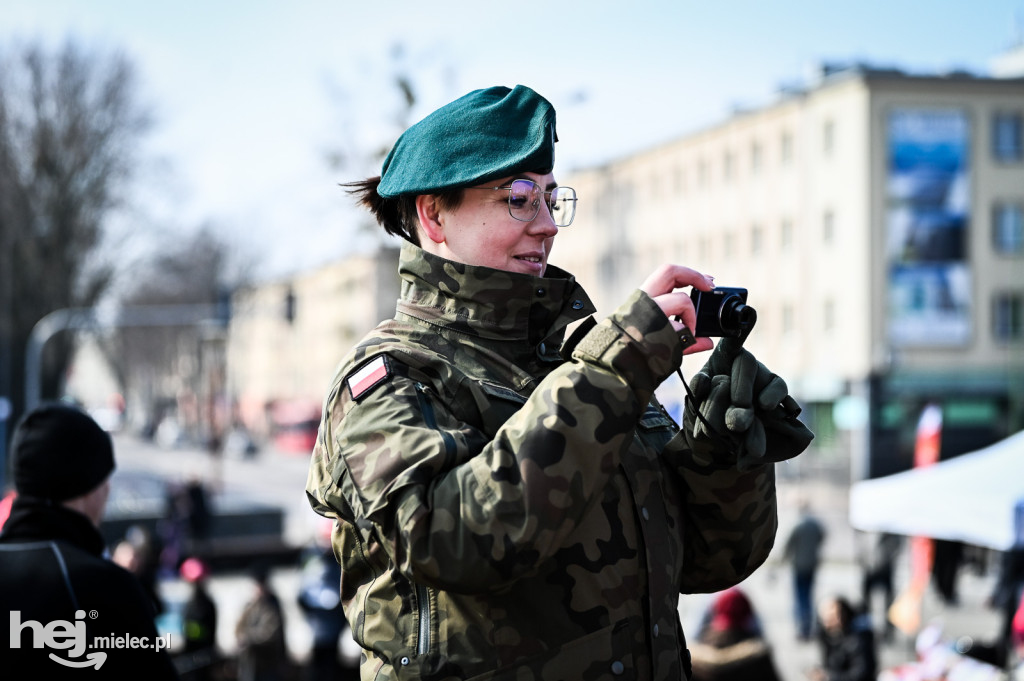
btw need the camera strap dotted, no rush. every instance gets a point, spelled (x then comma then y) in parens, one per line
(720, 439)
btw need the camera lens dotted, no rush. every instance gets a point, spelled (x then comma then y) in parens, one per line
(734, 315)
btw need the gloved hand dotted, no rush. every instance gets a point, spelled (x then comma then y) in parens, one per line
(748, 408)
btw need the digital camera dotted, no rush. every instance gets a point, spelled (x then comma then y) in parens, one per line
(723, 311)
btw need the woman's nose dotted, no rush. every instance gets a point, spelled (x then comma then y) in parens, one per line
(544, 223)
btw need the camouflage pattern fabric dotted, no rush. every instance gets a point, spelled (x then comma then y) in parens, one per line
(504, 513)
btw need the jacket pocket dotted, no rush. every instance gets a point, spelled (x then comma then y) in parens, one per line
(495, 404)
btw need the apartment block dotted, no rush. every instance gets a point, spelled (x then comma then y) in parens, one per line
(877, 220)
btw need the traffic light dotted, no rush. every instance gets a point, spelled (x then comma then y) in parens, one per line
(289, 305)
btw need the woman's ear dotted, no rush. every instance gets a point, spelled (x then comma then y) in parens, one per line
(429, 216)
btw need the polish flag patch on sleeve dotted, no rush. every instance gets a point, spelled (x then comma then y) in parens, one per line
(368, 376)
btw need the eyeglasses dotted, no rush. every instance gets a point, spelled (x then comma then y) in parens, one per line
(524, 200)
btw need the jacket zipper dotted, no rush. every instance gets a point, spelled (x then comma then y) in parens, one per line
(423, 639)
(422, 594)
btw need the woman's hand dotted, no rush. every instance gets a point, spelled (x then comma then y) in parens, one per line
(661, 286)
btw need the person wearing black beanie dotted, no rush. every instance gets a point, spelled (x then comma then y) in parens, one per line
(52, 563)
(58, 452)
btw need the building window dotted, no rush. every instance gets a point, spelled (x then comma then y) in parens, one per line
(828, 134)
(786, 237)
(1008, 227)
(828, 227)
(655, 185)
(756, 240)
(1008, 316)
(728, 245)
(788, 323)
(786, 149)
(1006, 137)
(755, 158)
(828, 315)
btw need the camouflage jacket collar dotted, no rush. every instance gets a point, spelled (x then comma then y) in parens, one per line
(490, 303)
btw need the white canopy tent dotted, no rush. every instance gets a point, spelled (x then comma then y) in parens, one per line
(976, 498)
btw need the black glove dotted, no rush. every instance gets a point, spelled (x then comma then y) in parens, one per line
(745, 408)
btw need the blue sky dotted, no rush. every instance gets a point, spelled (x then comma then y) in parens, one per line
(250, 95)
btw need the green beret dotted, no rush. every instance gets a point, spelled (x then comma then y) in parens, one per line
(485, 135)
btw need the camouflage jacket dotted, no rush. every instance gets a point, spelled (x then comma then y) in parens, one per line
(506, 513)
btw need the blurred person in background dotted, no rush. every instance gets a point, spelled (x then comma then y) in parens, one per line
(946, 561)
(1017, 637)
(877, 561)
(198, 623)
(730, 645)
(847, 643)
(52, 564)
(262, 650)
(1006, 596)
(320, 601)
(511, 498)
(803, 552)
(137, 554)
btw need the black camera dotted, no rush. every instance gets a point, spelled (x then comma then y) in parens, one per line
(723, 311)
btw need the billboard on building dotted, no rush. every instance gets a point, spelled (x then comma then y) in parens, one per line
(927, 218)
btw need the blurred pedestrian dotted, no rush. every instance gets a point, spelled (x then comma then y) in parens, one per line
(947, 558)
(730, 645)
(199, 623)
(137, 554)
(320, 601)
(1006, 596)
(878, 565)
(803, 552)
(262, 652)
(186, 524)
(53, 576)
(847, 643)
(1017, 637)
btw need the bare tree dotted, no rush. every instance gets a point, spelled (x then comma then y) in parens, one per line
(170, 368)
(362, 142)
(70, 128)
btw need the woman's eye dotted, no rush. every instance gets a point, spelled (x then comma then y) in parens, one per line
(518, 201)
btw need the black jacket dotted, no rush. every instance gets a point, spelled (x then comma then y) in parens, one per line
(52, 572)
(850, 656)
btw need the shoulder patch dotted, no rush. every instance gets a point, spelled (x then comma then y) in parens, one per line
(369, 376)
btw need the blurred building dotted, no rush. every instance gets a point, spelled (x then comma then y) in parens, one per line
(877, 219)
(287, 337)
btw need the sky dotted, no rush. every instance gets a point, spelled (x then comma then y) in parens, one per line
(251, 98)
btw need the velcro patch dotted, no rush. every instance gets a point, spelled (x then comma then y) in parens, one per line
(369, 376)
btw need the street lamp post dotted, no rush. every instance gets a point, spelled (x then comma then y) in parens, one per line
(87, 318)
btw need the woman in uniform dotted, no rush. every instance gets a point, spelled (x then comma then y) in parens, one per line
(510, 499)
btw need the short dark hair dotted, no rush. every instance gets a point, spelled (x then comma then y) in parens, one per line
(397, 215)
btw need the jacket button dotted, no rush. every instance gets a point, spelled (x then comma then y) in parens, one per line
(644, 512)
(577, 304)
(404, 661)
(541, 292)
(618, 668)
